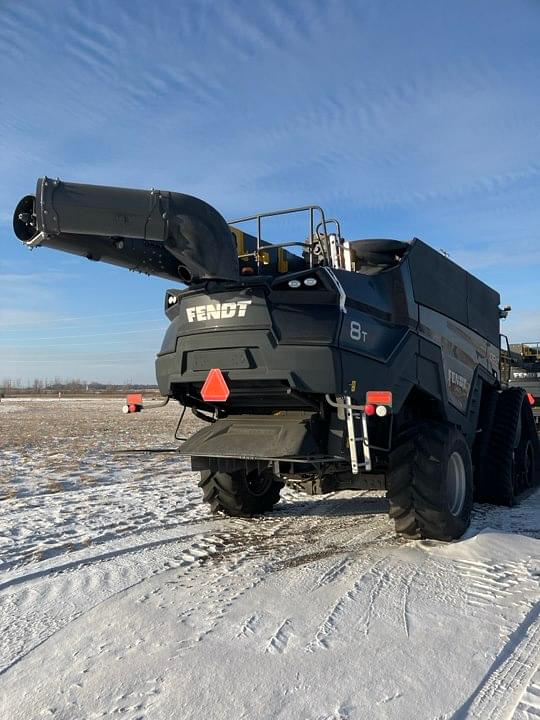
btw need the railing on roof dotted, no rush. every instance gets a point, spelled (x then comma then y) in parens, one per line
(317, 233)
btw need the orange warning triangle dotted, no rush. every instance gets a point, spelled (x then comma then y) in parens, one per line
(215, 388)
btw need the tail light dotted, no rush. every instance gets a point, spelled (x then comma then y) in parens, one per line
(379, 397)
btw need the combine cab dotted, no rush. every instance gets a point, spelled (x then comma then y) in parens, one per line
(319, 362)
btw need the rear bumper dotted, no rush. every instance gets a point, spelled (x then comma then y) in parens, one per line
(250, 357)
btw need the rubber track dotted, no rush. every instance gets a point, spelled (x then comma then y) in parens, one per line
(499, 486)
(480, 453)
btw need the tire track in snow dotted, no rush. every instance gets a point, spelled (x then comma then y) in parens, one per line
(381, 579)
(107, 574)
(62, 600)
(280, 639)
(223, 600)
(65, 624)
(249, 626)
(389, 594)
(376, 532)
(491, 584)
(407, 585)
(89, 560)
(332, 573)
(528, 707)
(330, 625)
(501, 690)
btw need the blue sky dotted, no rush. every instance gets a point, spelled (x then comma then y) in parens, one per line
(401, 117)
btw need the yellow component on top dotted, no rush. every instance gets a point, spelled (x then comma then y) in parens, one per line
(240, 241)
(283, 265)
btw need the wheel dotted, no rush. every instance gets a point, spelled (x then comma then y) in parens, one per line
(525, 465)
(513, 450)
(430, 482)
(527, 452)
(241, 493)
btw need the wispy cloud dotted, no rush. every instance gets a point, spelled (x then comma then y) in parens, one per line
(14, 318)
(402, 118)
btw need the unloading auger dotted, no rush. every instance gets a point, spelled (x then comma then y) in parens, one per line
(167, 234)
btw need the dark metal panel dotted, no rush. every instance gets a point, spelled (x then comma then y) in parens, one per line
(253, 436)
(361, 373)
(365, 335)
(312, 369)
(483, 309)
(443, 286)
(438, 283)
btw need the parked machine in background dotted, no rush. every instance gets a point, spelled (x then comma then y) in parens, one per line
(525, 373)
(314, 361)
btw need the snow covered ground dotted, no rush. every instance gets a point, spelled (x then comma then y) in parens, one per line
(121, 596)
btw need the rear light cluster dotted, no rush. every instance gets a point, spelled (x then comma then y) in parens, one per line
(134, 403)
(378, 402)
(380, 410)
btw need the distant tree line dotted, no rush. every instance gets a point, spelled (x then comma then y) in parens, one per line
(75, 386)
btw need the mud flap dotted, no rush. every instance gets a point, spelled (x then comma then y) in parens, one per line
(257, 437)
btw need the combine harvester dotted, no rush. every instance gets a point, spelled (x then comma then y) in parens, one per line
(343, 365)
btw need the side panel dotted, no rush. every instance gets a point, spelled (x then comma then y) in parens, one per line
(399, 374)
(378, 339)
(368, 336)
(448, 289)
(462, 352)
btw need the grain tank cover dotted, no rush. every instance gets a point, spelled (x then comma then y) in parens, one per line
(157, 232)
(443, 286)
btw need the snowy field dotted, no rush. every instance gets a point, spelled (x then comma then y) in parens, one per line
(122, 597)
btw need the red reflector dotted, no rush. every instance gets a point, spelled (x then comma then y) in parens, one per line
(531, 399)
(369, 409)
(379, 397)
(215, 388)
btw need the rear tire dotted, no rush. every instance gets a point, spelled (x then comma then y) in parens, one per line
(241, 493)
(430, 482)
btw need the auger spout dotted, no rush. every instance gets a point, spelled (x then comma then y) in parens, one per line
(156, 232)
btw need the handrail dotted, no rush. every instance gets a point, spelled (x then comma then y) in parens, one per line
(271, 246)
(322, 238)
(286, 211)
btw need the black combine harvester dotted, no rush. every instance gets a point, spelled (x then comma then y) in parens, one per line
(370, 363)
